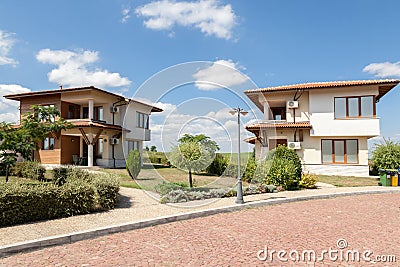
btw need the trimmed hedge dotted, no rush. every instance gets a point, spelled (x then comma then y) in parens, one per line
(21, 203)
(24, 202)
(29, 170)
(107, 188)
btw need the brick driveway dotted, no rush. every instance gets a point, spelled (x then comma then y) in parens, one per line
(367, 222)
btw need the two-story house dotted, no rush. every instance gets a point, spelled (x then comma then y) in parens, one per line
(327, 123)
(106, 126)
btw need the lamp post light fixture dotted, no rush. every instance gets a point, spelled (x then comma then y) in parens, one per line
(239, 195)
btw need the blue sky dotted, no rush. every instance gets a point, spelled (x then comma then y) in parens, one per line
(119, 45)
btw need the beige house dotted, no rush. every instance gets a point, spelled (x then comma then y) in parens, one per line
(328, 123)
(106, 126)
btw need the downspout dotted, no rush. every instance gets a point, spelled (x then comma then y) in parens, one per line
(296, 98)
(126, 102)
(113, 150)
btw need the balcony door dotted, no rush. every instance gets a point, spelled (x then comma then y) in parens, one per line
(278, 113)
(274, 143)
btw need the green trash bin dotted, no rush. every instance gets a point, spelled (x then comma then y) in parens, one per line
(385, 177)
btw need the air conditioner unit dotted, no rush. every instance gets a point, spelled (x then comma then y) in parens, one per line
(294, 145)
(114, 141)
(114, 109)
(293, 104)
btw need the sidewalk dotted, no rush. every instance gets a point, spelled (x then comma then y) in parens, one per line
(137, 209)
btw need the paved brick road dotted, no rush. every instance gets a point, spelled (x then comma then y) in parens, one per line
(366, 222)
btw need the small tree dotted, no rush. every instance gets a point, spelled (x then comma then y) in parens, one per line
(8, 160)
(153, 149)
(25, 138)
(193, 153)
(134, 163)
(386, 155)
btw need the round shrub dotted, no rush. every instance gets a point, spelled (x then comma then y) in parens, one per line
(291, 155)
(386, 155)
(218, 165)
(308, 180)
(250, 170)
(283, 172)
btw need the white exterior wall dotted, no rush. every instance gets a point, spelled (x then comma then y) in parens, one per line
(323, 120)
(310, 154)
(302, 112)
(130, 122)
(135, 134)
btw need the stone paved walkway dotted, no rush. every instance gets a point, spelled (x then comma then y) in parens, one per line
(137, 205)
(364, 222)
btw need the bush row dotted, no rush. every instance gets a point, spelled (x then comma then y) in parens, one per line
(79, 193)
(29, 170)
(175, 193)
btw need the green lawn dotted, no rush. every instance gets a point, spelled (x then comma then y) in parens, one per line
(346, 181)
(244, 156)
(150, 177)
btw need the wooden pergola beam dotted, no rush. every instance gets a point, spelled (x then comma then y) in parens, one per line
(96, 138)
(84, 136)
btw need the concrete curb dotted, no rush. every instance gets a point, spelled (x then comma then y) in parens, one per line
(89, 234)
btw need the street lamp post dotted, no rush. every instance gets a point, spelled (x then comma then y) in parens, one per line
(239, 194)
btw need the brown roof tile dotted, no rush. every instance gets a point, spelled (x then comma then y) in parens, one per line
(18, 97)
(303, 124)
(316, 85)
(96, 124)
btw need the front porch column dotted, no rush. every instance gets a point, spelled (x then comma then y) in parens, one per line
(91, 109)
(266, 111)
(81, 146)
(90, 150)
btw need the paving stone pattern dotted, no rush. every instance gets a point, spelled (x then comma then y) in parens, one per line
(366, 222)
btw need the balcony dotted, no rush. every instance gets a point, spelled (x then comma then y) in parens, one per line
(140, 134)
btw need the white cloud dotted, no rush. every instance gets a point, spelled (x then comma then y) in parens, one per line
(9, 108)
(6, 43)
(222, 72)
(126, 14)
(166, 107)
(209, 16)
(75, 68)
(383, 70)
(168, 126)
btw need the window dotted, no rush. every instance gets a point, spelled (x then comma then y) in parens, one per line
(48, 143)
(100, 148)
(354, 107)
(301, 135)
(142, 120)
(98, 113)
(132, 145)
(85, 113)
(339, 151)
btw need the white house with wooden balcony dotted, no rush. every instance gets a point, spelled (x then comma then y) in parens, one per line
(327, 123)
(106, 126)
